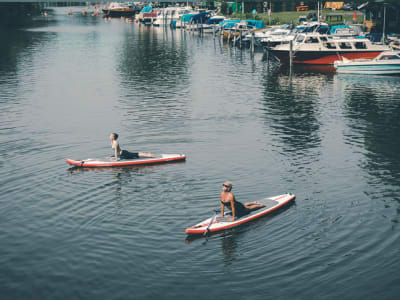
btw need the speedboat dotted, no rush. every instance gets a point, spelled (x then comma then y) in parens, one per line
(386, 63)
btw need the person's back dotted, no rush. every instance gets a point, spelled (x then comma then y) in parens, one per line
(124, 154)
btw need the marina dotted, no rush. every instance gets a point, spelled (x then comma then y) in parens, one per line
(327, 141)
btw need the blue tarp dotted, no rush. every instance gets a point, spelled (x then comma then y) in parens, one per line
(215, 20)
(257, 24)
(200, 18)
(146, 9)
(186, 18)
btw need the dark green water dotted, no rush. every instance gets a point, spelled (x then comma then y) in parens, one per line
(66, 82)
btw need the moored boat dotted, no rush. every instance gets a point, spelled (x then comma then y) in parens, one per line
(170, 14)
(386, 63)
(212, 24)
(315, 48)
(234, 28)
(116, 9)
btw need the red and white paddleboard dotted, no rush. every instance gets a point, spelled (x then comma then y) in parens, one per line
(217, 224)
(109, 162)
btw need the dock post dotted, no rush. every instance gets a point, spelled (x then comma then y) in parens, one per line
(291, 53)
(240, 36)
(252, 42)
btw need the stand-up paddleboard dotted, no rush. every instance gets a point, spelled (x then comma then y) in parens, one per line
(109, 162)
(217, 224)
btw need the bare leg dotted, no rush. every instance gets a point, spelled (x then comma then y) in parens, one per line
(253, 205)
(142, 154)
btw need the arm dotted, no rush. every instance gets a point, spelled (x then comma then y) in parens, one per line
(116, 147)
(222, 208)
(116, 154)
(233, 209)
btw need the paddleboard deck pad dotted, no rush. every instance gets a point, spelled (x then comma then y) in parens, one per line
(222, 223)
(110, 162)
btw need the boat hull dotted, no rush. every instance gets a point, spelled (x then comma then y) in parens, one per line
(322, 57)
(383, 69)
(118, 12)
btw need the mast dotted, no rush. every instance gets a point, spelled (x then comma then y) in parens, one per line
(384, 22)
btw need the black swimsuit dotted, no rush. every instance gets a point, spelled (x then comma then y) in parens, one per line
(128, 155)
(240, 209)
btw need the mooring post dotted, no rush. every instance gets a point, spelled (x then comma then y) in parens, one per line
(252, 42)
(291, 53)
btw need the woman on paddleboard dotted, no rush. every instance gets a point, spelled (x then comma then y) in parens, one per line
(123, 154)
(238, 209)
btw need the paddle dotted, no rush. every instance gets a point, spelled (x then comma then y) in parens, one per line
(209, 225)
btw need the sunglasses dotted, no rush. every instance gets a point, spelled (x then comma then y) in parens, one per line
(227, 186)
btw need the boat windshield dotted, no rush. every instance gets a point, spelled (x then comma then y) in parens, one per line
(300, 38)
(390, 57)
(312, 39)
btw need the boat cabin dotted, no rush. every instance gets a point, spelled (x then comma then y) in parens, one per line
(331, 43)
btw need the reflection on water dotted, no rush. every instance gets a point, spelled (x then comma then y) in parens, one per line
(291, 109)
(157, 59)
(372, 110)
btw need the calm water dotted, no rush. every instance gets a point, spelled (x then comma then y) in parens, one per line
(66, 82)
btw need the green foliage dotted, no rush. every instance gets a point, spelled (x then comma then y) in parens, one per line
(278, 18)
(246, 16)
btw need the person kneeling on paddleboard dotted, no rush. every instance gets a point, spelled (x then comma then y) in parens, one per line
(123, 154)
(238, 209)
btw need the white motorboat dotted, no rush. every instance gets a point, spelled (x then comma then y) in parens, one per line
(386, 63)
(169, 14)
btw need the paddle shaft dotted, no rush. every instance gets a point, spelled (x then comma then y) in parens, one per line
(209, 225)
